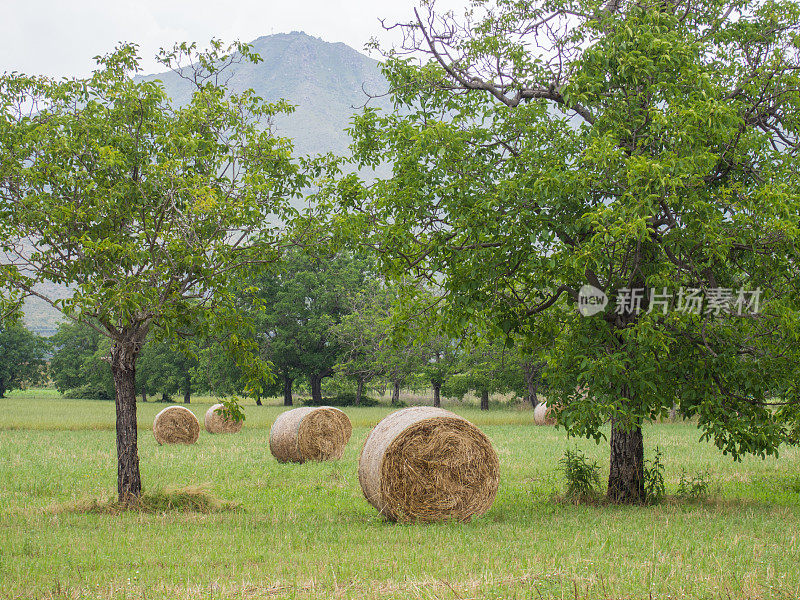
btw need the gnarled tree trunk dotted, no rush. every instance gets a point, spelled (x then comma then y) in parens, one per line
(437, 390)
(626, 477)
(123, 368)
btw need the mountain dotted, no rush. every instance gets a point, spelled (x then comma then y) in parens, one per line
(326, 82)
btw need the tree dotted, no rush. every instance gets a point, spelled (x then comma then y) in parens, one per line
(295, 309)
(166, 369)
(553, 156)
(487, 367)
(360, 334)
(145, 208)
(79, 365)
(443, 358)
(22, 355)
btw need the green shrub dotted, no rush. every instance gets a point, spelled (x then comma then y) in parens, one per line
(694, 487)
(583, 476)
(654, 490)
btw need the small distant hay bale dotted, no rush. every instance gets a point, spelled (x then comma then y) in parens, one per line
(428, 464)
(310, 433)
(543, 415)
(215, 422)
(176, 425)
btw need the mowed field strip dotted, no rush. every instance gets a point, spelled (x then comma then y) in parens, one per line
(306, 531)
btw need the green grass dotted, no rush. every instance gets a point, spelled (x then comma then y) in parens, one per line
(305, 531)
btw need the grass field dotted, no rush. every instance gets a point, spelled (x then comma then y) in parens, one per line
(305, 531)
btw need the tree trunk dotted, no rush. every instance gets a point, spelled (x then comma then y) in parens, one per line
(626, 477)
(287, 390)
(484, 399)
(187, 388)
(359, 392)
(673, 412)
(396, 393)
(316, 389)
(258, 399)
(144, 396)
(437, 389)
(531, 373)
(123, 368)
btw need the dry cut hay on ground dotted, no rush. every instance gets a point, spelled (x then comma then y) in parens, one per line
(542, 415)
(176, 425)
(428, 464)
(310, 433)
(215, 422)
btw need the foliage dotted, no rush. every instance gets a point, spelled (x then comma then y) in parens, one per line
(546, 146)
(296, 306)
(343, 399)
(22, 357)
(146, 209)
(654, 489)
(164, 368)
(694, 487)
(79, 366)
(231, 410)
(582, 474)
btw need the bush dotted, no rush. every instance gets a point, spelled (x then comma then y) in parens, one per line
(654, 490)
(583, 476)
(694, 487)
(344, 399)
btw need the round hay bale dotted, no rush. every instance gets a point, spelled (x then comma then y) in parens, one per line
(216, 423)
(176, 425)
(543, 415)
(428, 464)
(309, 433)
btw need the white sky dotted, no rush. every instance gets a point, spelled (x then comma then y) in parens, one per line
(60, 37)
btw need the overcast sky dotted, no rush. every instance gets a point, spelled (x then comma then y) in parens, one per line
(60, 37)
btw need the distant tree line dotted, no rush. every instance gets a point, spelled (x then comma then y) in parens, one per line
(314, 318)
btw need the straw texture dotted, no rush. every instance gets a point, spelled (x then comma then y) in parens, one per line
(310, 433)
(217, 423)
(428, 464)
(176, 425)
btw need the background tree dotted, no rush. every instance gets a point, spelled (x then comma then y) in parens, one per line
(488, 366)
(166, 369)
(546, 146)
(79, 365)
(295, 308)
(22, 357)
(147, 209)
(360, 335)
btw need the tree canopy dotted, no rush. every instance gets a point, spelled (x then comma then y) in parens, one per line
(146, 209)
(645, 154)
(22, 357)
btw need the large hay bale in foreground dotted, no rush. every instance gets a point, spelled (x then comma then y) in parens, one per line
(428, 464)
(176, 425)
(215, 422)
(543, 415)
(309, 433)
